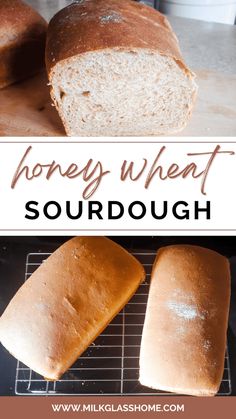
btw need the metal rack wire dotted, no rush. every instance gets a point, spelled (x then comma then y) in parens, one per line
(111, 364)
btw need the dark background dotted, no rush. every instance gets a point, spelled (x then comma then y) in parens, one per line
(13, 252)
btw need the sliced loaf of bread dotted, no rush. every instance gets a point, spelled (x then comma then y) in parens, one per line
(115, 69)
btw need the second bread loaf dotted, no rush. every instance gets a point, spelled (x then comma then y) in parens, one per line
(184, 337)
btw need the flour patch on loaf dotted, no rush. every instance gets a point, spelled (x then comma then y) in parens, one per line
(77, 2)
(186, 311)
(207, 345)
(113, 17)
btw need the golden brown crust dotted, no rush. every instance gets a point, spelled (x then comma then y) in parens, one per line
(22, 41)
(186, 322)
(91, 25)
(67, 302)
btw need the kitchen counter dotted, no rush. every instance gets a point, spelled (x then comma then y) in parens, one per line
(204, 45)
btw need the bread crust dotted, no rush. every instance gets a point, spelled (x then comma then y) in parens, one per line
(67, 302)
(92, 25)
(184, 336)
(22, 41)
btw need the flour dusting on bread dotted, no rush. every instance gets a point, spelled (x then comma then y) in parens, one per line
(127, 57)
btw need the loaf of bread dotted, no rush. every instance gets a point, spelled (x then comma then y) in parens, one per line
(184, 336)
(115, 69)
(67, 302)
(22, 41)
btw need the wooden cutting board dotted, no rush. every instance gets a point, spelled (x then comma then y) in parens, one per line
(26, 110)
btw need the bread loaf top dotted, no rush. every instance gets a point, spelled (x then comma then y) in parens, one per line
(91, 25)
(184, 335)
(67, 302)
(19, 21)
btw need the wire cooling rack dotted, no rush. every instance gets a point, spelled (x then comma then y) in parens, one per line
(111, 364)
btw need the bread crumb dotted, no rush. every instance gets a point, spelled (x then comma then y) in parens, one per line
(77, 2)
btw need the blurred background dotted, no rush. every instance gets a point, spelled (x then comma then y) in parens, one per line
(222, 11)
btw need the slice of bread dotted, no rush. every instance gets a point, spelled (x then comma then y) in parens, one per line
(115, 69)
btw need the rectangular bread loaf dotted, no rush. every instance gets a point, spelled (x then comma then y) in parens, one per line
(22, 41)
(67, 302)
(184, 336)
(115, 69)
